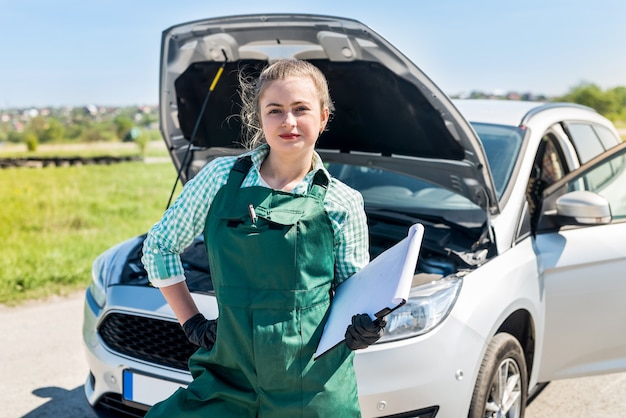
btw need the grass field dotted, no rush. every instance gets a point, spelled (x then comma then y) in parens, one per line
(54, 221)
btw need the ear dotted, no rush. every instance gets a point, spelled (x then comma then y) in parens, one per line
(324, 119)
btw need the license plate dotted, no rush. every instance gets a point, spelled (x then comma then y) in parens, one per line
(147, 390)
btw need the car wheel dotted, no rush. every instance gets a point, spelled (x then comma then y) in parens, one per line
(501, 386)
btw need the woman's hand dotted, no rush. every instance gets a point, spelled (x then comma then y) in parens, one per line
(364, 332)
(200, 331)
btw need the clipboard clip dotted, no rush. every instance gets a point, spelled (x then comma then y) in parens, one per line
(380, 315)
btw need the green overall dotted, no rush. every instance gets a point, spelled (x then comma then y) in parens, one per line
(272, 270)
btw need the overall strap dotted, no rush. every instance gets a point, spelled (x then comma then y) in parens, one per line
(240, 169)
(236, 176)
(319, 184)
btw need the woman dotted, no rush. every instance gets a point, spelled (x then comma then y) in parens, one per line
(281, 234)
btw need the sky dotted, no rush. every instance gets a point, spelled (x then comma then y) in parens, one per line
(106, 52)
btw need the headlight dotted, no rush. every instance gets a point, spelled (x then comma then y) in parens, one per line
(427, 307)
(106, 269)
(98, 285)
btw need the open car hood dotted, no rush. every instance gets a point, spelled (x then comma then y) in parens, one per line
(388, 113)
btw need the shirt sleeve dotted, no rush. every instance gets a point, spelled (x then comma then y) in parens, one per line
(182, 223)
(347, 214)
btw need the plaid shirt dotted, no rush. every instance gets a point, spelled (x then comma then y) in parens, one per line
(186, 218)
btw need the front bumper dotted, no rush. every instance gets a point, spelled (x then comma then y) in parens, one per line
(430, 371)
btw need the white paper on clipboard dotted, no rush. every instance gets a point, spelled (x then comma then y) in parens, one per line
(381, 286)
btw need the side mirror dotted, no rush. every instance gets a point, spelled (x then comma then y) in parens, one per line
(587, 208)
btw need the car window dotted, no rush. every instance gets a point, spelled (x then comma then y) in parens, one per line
(501, 144)
(587, 142)
(547, 169)
(606, 179)
(551, 164)
(607, 137)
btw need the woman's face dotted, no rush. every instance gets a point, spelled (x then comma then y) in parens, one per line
(291, 115)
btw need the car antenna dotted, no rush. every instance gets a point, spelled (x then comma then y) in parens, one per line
(197, 125)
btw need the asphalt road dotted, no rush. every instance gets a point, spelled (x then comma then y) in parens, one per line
(43, 370)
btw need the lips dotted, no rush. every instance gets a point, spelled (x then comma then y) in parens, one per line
(289, 136)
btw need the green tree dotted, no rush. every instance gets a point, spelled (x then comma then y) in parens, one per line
(74, 132)
(15, 137)
(53, 132)
(142, 141)
(591, 95)
(123, 125)
(148, 119)
(37, 125)
(619, 97)
(32, 140)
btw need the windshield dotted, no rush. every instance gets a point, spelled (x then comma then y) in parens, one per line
(385, 188)
(417, 198)
(502, 145)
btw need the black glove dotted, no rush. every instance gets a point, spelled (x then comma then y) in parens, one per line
(364, 332)
(200, 331)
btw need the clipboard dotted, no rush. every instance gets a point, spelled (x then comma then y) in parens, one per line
(378, 289)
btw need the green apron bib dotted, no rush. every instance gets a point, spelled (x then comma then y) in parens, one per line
(272, 277)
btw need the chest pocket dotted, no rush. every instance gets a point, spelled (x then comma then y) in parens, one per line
(273, 219)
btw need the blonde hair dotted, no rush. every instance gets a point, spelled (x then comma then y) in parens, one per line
(251, 91)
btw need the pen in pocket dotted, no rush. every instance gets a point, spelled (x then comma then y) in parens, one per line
(252, 213)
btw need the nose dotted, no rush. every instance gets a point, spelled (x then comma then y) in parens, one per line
(289, 120)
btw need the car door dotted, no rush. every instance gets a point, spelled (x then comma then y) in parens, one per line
(583, 263)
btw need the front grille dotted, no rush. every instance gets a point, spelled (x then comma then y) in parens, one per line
(147, 339)
(430, 412)
(111, 405)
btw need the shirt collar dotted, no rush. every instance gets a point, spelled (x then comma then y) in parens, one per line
(258, 156)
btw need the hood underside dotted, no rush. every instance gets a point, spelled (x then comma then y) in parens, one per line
(388, 113)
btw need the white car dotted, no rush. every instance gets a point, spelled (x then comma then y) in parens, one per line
(520, 276)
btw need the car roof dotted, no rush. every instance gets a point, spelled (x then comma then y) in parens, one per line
(507, 112)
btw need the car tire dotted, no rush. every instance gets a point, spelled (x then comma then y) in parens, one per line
(502, 384)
